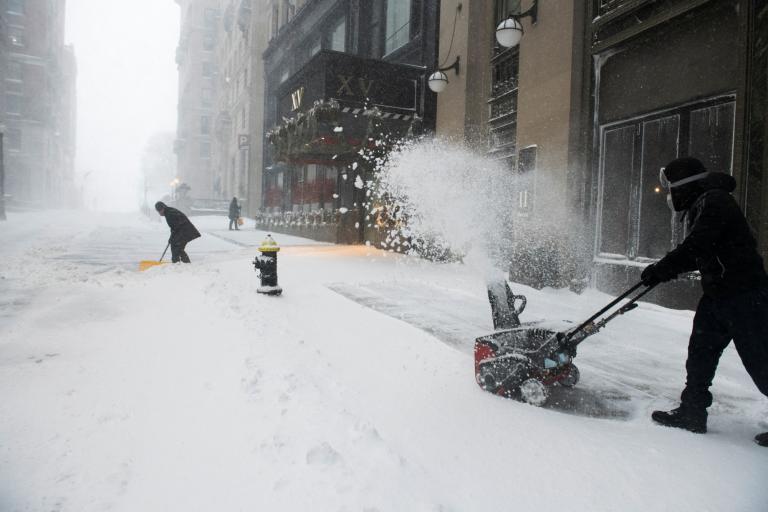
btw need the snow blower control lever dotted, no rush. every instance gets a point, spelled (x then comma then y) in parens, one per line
(590, 326)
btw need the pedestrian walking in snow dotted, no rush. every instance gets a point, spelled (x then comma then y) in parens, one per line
(734, 305)
(182, 231)
(234, 214)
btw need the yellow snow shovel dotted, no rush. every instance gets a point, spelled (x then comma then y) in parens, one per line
(145, 264)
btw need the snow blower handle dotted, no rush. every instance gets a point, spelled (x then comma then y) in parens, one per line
(629, 306)
(589, 327)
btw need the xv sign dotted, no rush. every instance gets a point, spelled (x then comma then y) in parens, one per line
(297, 98)
(346, 87)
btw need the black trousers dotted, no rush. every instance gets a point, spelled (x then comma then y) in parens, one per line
(743, 319)
(178, 253)
(233, 222)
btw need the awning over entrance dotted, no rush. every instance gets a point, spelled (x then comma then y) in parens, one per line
(339, 103)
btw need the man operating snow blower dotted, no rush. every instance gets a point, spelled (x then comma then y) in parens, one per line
(735, 302)
(182, 231)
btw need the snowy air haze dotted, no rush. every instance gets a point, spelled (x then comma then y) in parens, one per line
(127, 91)
(182, 387)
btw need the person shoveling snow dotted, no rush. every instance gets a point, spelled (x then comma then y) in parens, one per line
(735, 301)
(182, 231)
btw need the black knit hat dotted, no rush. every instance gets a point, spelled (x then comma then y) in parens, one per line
(682, 168)
(159, 206)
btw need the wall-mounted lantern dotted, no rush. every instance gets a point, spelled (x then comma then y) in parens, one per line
(438, 80)
(510, 31)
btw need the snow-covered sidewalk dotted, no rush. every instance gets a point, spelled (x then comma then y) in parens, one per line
(181, 388)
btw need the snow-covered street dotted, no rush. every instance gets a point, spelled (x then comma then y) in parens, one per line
(182, 389)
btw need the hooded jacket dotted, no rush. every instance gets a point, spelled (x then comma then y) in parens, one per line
(182, 230)
(719, 243)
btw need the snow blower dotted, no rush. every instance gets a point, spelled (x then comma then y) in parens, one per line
(521, 362)
(146, 264)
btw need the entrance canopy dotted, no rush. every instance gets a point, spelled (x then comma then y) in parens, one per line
(339, 103)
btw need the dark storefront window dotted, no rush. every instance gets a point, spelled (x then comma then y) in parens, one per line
(398, 31)
(659, 146)
(338, 36)
(635, 221)
(312, 187)
(711, 137)
(273, 191)
(617, 159)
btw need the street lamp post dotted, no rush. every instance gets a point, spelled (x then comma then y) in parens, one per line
(438, 80)
(174, 185)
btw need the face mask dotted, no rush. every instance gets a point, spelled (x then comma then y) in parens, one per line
(672, 186)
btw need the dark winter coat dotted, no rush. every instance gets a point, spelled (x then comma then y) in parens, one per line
(182, 230)
(234, 210)
(719, 244)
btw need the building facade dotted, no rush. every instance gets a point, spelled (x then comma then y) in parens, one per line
(38, 104)
(198, 72)
(595, 99)
(658, 96)
(340, 76)
(238, 125)
(221, 101)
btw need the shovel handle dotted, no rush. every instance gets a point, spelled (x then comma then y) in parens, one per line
(166, 250)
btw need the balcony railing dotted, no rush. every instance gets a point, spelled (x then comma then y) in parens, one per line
(603, 7)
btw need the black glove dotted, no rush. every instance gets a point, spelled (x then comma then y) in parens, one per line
(657, 273)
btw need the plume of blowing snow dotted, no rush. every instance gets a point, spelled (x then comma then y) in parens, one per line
(449, 197)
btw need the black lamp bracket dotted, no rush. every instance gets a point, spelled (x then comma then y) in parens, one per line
(533, 13)
(455, 66)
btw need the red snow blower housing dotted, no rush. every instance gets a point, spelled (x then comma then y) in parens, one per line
(522, 361)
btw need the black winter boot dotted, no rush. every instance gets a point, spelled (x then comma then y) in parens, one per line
(762, 439)
(686, 418)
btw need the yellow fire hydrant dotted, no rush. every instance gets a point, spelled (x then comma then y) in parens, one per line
(266, 264)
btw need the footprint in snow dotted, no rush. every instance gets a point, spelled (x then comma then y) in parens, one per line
(362, 430)
(252, 386)
(323, 455)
